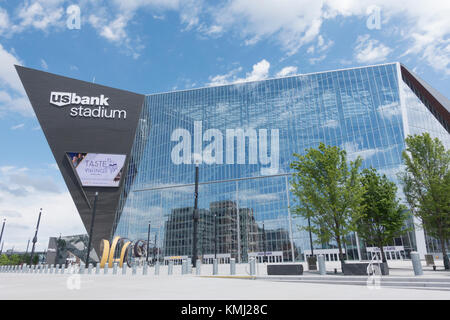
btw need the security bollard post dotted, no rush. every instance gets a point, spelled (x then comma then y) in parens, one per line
(63, 268)
(170, 268)
(322, 268)
(198, 267)
(417, 266)
(144, 268)
(57, 269)
(46, 268)
(105, 269)
(134, 269)
(252, 266)
(82, 267)
(90, 268)
(184, 267)
(97, 268)
(124, 268)
(215, 267)
(189, 266)
(232, 266)
(115, 268)
(52, 268)
(157, 268)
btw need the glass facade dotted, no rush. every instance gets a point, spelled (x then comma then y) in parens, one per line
(244, 203)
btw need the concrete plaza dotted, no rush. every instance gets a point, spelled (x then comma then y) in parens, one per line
(179, 287)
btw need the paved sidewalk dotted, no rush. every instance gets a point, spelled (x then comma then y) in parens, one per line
(68, 287)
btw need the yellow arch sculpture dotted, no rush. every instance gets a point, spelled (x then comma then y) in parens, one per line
(105, 252)
(108, 252)
(122, 253)
(112, 250)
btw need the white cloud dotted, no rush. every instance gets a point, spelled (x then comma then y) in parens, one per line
(22, 194)
(19, 126)
(4, 20)
(318, 59)
(370, 51)
(292, 23)
(41, 15)
(12, 94)
(44, 64)
(260, 71)
(286, 71)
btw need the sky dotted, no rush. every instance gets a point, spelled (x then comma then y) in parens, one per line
(151, 46)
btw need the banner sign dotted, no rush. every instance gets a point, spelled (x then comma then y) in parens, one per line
(98, 169)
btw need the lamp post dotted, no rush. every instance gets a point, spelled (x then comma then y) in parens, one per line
(264, 242)
(92, 228)
(195, 214)
(154, 250)
(215, 235)
(3, 227)
(35, 236)
(148, 242)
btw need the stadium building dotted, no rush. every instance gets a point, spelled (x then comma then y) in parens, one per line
(139, 152)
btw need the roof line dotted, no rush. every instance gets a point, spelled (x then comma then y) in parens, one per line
(273, 78)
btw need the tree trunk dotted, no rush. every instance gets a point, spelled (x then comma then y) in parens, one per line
(341, 256)
(444, 253)
(383, 256)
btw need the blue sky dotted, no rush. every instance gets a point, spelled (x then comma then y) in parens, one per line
(150, 46)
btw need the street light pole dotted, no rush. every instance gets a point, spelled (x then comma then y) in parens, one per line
(154, 250)
(215, 235)
(148, 241)
(35, 236)
(310, 237)
(195, 218)
(264, 242)
(92, 229)
(3, 227)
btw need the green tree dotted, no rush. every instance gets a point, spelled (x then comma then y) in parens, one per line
(4, 260)
(328, 191)
(383, 217)
(426, 185)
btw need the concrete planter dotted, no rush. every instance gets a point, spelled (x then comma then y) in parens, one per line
(284, 269)
(360, 268)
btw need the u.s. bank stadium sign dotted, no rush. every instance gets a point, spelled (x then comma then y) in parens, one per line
(85, 106)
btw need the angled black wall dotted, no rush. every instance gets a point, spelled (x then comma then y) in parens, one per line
(65, 133)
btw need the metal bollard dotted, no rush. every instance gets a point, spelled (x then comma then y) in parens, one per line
(115, 268)
(170, 268)
(82, 267)
(198, 267)
(90, 268)
(215, 267)
(105, 269)
(157, 268)
(189, 266)
(57, 269)
(133, 268)
(97, 268)
(184, 267)
(46, 268)
(252, 263)
(417, 266)
(124, 268)
(144, 269)
(52, 267)
(232, 266)
(321, 260)
(63, 267)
